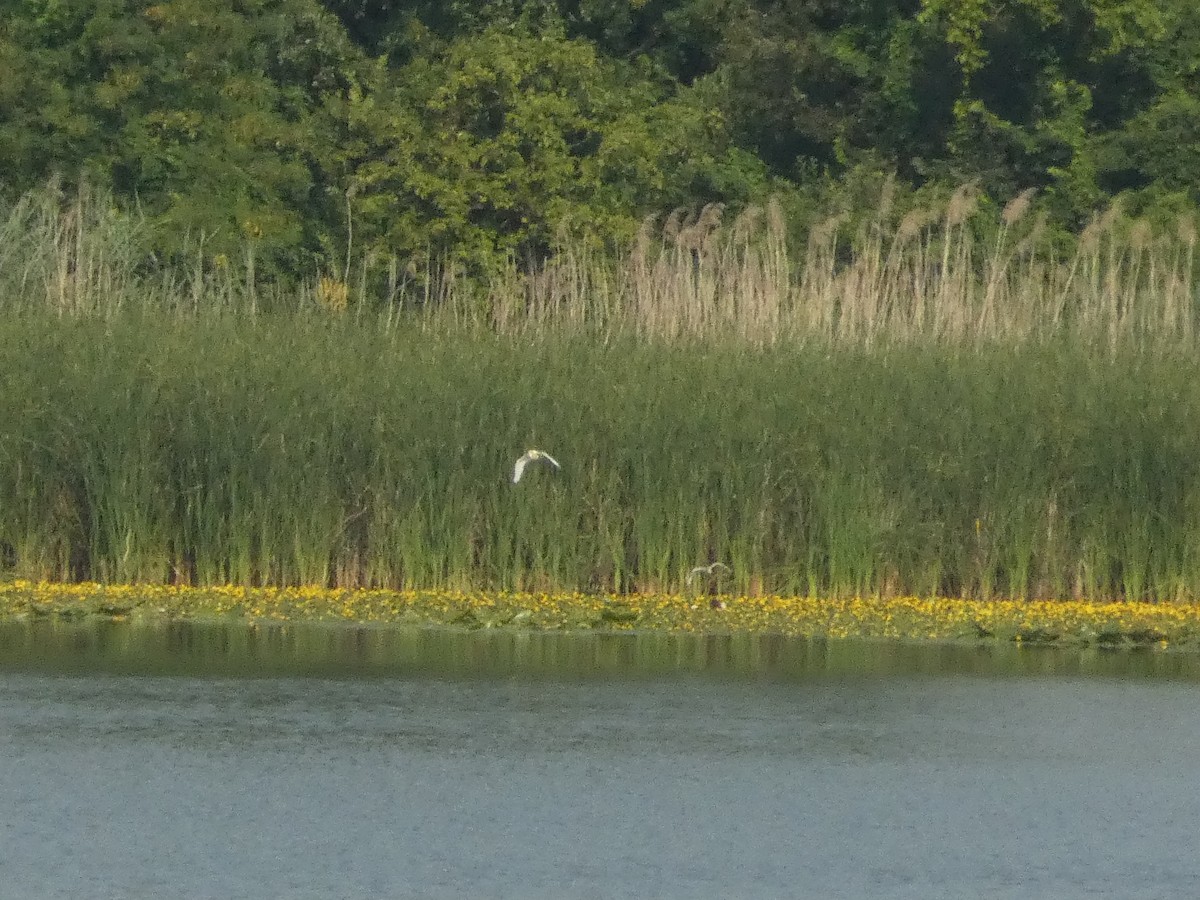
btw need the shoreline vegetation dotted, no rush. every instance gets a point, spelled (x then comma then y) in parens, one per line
(960, 272)
(937, 404)
(1074, 623)
(285, 289)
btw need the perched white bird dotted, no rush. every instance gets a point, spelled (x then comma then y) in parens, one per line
(532, 456)
(709, 570)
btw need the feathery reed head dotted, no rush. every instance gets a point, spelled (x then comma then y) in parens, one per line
(1185, 228)
(887, 197)
(1015, 209)
(1089, 238)
(1036, 231)
(1112, 214)
(746, 223)
(912, 223)
(1140, 235)
(674, 222)
(710, 216)
(826, 230)
(776, 221)
(963, 203)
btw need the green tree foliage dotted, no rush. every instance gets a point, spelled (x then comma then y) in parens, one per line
(207, 114)
(503, 137)
(1069, 94)
(314, 130)
(261, 121)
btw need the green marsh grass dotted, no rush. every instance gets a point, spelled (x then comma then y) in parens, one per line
(917, 407)
(311, 450)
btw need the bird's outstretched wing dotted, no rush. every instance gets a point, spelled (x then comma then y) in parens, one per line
(519, 467)
(709, 570)
(531, 456)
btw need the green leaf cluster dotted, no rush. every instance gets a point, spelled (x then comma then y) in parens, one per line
(314, 131)
(498, 140)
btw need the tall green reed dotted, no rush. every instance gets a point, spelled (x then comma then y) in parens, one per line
(916, 405)
(310, 449)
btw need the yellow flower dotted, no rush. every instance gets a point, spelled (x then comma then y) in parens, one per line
(333, 294)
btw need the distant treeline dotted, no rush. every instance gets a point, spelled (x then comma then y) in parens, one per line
(327, 132)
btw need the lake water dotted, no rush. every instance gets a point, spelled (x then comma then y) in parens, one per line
(197, 762)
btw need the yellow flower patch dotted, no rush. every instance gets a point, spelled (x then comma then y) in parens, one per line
(1115, 624)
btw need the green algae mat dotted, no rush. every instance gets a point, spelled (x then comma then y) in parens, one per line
(1067, 622)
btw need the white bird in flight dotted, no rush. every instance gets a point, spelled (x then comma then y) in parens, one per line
(709, 570)
(532, 456)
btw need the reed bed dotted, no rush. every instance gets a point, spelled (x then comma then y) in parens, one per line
(948, 276)
(313, 450)
(920, 404)
(959, 273)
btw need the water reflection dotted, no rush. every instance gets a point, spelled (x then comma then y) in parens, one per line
(237, 649)
(613, 765)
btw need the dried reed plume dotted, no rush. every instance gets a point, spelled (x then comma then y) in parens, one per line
(948, 275)
(963, 204)
(1015, 209)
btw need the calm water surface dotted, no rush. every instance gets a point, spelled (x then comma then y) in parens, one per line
(307, 762)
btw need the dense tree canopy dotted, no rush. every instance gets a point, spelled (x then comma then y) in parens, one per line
(486, 127)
